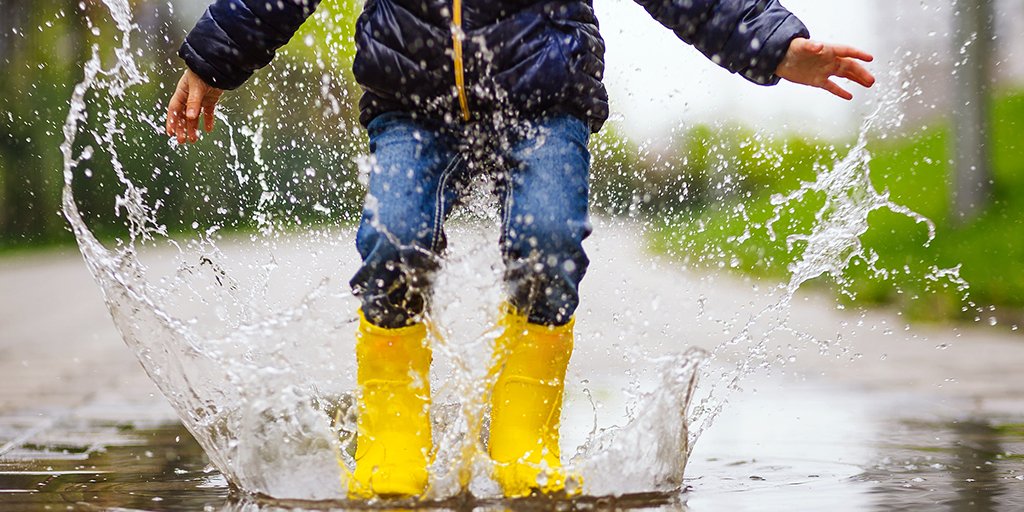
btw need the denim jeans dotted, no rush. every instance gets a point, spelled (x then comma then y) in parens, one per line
(419, 170)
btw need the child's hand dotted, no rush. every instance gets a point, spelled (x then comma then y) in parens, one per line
(814, 63)
(192, 98)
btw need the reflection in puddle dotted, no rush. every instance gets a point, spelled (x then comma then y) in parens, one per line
(958, 466)
(780, 444)
(839, 452)
(105, 466)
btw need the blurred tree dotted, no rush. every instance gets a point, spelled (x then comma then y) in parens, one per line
(973, 37)
(39, 45)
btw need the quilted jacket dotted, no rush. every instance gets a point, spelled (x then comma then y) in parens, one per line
(459, 60)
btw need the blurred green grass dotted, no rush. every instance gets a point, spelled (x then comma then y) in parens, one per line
(916, 171)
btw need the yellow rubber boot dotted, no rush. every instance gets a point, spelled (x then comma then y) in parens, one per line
(394, 439)
(530, 362)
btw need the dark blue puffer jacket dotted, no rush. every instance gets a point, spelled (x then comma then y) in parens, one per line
(463, 59)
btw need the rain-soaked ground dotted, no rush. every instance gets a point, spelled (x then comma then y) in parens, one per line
(793, 449)
(929, 418)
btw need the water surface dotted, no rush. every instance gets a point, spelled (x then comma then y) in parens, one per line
(787, 446)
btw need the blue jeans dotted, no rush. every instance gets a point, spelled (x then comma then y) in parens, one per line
(420, 170)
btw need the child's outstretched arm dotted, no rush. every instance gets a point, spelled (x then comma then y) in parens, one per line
(760, 40)
(747, 37)
(814, 63)
(230, 42)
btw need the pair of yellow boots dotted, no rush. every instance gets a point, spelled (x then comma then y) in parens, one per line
(394, 444)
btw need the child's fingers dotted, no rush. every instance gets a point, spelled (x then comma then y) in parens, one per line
(834, 88)
(172, 119)
(174, 113)
(193, 108)
(182, 128)
(208, 111)
(852, 70)
(853, 53)
(179, 129)
(177, 118)
(192, 129)
(176, 109)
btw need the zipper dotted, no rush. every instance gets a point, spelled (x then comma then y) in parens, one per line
(460, 75)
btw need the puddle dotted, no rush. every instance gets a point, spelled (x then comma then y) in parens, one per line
(786, 445)
(248, 346)
(95, 465)
(970, 464)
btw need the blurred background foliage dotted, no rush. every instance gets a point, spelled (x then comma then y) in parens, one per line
(915, 168)
(292, 137)
(281, 133)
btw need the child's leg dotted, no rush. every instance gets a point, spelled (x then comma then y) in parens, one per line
(400, 234)
(545, 222)
(546, 219)
(399, 238)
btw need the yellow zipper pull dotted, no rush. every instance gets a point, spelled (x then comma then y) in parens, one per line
(460, 76)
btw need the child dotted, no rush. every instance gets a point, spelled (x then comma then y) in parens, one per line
(456, 87)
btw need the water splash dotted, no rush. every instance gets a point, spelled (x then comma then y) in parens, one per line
(249, 337)
(848, 198)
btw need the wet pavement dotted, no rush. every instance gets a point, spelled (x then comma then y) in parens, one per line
(924, 419)
(785, 450)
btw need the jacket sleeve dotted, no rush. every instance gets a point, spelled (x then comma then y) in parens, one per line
(749, 37)
(234, 38)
